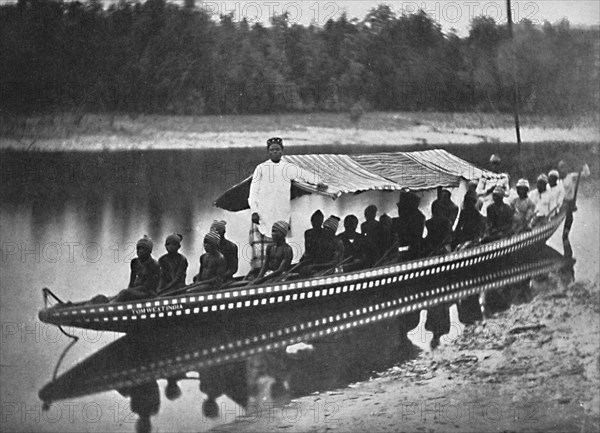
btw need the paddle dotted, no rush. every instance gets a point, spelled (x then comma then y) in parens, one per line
(394, 245)
(327, 271)
(576, 189)
(285, 274)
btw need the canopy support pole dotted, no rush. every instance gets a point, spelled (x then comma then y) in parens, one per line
(515, 86)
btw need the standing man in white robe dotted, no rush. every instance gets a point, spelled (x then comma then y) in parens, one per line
(270, 198)
(569, 182)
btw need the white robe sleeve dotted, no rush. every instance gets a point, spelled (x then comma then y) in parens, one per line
(255, 182)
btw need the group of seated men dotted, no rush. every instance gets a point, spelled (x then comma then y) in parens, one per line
(379, 241)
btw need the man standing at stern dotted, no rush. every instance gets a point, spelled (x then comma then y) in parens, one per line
(270, 199)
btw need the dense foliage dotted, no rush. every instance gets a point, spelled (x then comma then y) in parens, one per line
(157, 57)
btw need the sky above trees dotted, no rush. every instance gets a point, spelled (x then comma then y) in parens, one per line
(449, 14)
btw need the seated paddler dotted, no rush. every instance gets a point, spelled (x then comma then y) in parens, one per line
(471, 223)
(313, 235)
(523, 206)
(439, 232)
(173, 266)
(330, 252)
(279, 254)
(145, 274)
(499, 217)
(212, 265)
(354, 244)
(409, 225)
(227, 248)
(447, 208)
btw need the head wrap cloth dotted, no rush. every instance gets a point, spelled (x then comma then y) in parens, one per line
(281, 227)
(332, 223)
(175, 237)
(145, 242)
(218, 226)
(212, 238)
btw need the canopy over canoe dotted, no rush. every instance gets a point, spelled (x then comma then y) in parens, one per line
(349, 174)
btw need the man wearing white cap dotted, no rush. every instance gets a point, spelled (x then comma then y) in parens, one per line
(523, 206)
(557, 192)
(542, 199)
(486, 185)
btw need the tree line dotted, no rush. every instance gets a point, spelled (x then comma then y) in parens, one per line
(158, 57)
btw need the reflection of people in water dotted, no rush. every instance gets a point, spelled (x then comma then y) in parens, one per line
(172, 390)
(229, 379)
(469, 310)
(145, 402)
(438, 322)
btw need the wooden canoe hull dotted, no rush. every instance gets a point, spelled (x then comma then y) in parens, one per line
(404, 278)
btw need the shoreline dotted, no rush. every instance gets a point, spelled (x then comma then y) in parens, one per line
(490, 378)
(101, 133)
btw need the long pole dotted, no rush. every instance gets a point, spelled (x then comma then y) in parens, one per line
(515, 86)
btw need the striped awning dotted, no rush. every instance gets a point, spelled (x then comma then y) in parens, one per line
(347, 174)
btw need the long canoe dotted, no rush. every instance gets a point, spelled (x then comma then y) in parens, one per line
(405, 280)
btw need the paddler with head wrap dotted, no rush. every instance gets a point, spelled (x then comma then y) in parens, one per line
(279, 255)
(227, 248)
(330, 251)
(173, 265)
(212, 264)
(145, 274)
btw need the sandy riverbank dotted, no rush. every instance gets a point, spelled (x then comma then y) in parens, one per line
(98, 133)
(534, 367)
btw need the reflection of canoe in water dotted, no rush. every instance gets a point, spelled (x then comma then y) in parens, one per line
(136, 359)
(346, 176)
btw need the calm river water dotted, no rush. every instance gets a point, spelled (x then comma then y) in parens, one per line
(69, 222)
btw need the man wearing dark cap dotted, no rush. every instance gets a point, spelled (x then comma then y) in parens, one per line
(409, 225)
(487, 184)
(269, 198)
(145, 274)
